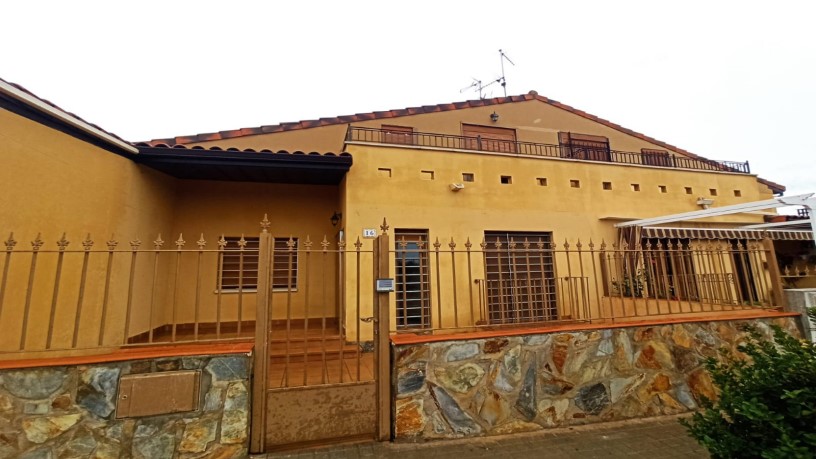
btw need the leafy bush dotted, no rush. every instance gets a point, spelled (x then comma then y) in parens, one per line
(767, 401)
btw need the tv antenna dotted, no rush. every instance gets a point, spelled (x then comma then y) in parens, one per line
(503, 57)
(477, 84)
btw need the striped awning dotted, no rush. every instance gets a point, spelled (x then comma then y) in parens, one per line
(654, 232)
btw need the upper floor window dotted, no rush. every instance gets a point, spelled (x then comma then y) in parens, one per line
(489, 138)
(398, 134)
(651, 157)
(584, 146)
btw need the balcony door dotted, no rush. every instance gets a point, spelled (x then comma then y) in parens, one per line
(489, 138)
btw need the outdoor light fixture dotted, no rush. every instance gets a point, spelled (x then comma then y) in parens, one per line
(494, 117)
(335, 218)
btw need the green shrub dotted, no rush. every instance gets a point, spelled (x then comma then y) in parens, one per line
(767, 401)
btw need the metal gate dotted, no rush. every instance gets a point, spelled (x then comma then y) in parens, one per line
(321, 371)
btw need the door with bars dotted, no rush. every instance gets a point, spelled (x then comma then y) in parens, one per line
(520, 279)
(412, 290)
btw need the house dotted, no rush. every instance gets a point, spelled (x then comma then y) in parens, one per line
(489, 217)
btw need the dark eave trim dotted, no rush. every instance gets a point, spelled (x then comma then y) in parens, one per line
(26, 111)
(253, 166)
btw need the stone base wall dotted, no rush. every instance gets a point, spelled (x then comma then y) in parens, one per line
(69, 412)
(512, 384)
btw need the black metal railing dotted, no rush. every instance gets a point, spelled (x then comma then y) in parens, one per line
(458, 142)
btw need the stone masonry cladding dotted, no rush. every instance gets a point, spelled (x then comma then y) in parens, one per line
(467, 388)
(68, 412)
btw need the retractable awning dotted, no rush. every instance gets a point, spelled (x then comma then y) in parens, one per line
(652, 232)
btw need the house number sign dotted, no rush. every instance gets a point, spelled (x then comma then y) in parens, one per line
(369, 233)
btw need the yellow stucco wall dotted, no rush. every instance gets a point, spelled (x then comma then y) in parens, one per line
(587, 212)
(59, 184)
(233, 209)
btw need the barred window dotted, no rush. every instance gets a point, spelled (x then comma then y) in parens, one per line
(239, 268)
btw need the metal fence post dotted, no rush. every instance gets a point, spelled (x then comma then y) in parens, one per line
(261, 362)
(382, 347)
(777, 287)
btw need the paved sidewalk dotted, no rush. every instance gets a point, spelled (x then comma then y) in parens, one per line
(654, 438)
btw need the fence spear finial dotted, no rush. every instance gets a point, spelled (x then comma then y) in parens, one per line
(201, 242)
(265, 224)
(384, 227)
(10, 242)
(87, 243)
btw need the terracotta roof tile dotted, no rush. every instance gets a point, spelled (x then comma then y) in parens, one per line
(232, 149)
(428, 109)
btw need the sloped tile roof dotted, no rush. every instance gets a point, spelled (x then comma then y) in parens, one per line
(532, 95)
(57, 107)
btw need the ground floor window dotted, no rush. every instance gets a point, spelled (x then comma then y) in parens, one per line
(239, 263)
(520, 279)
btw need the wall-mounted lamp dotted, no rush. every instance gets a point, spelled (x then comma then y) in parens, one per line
(494, 117)
(335, 218)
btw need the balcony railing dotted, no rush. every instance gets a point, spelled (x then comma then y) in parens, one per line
(458, 142)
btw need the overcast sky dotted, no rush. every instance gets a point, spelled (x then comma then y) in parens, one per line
(726, 80)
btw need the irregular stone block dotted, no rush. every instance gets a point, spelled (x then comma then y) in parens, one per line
(498, 378)
(62, 402)
(230, 368)
(560, 352)
(515, 427)
(526, 402)
(94, 402)
(410, 418)
(212, 401)
(592, 399)
(493, 346)
(234, 427)
(553, 412)
(537, 340)
(34, 384)
(168, 364)
(410, 381)
(412, 353)
(42, 429)
(461, 379)
(198, 433)
(35, 408)
(236, 397)
(81, 446)
(5, 403)
(191, 363)
(39, 453)
(512, 364)
(140, 366)
(552, 385)
(684, 396)
(461, 351)
(494, 409)
(459, 421)
(701, 386)
(623, 357)
(685, 360)
(605, 348)
(621, 387)
(108, 450)
(155, 446)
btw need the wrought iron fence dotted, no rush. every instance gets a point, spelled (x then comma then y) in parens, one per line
(537, 282)
(89, 294)
(455, 142)
(317, 299)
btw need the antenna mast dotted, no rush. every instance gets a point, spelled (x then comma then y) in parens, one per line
(477, 85)
(503, 57)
